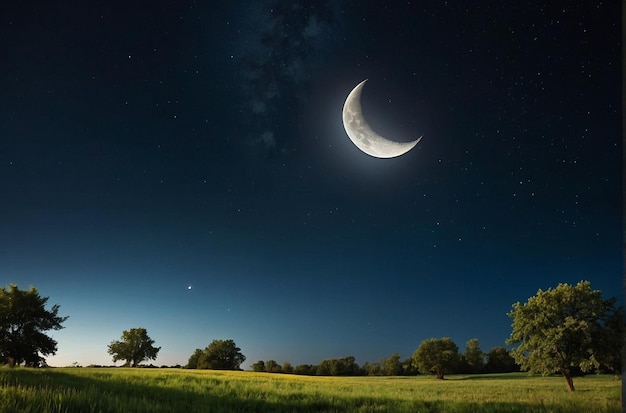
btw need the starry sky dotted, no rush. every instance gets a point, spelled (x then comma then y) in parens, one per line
(150, 146)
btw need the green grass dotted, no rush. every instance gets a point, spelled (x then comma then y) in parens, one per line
(87, 390)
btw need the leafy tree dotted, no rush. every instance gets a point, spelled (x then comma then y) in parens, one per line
(437, 356)
(561, 329)
(304, 369)
(192, 363)
(500, 361)
(287, 368)
(392, 366)
(271, 366)
(372, 369)
(221, 355)
(135, 347)
(23, 323)
(609, 347)
(474, 357)
(408, 367)
(259, 366)
(338, 367)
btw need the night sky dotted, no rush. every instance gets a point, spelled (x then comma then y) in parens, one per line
(149, 146)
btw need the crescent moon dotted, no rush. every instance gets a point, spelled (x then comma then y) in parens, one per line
(362, 135)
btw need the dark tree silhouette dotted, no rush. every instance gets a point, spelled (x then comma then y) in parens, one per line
(23, 323)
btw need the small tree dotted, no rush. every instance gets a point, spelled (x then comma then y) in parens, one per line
(271, 366)
(221, 355)
(23, 321)
(259, 366)
(287, 368)
(562, 328)
(474, 357)
(135, 347)
(437, 356)
(393, 366)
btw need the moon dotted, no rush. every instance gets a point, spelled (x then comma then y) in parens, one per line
(363, 136)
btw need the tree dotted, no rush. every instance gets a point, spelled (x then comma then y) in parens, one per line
(437, 356)
(474, 357)
(221, 355)
(408, 367)
(346, 366)
(500, 361)
(23, 323)
(304, 369)
(192, 363)
(259, 366)
(563, 328)
(135, 347)
(393, 366)
(271, 366)
(372, 369)
(287, 368)
(609, 349)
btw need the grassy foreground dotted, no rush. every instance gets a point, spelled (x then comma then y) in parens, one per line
(87, 390)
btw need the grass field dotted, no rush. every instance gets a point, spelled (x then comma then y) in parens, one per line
(85, 390)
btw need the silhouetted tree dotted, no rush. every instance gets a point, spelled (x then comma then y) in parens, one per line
(135, 347)
(23, 322)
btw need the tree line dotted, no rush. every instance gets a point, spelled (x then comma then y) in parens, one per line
(568, 329)
(431, 352)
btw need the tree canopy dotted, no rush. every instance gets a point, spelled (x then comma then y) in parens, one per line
(135, 347)
(563, 328)
(499, 360)
(474, 356)
(218, 355)
(23, 323)
(438, 356)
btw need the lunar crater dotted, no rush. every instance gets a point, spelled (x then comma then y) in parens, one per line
(363, 136)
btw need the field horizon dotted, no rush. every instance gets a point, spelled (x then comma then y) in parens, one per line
(52, 390)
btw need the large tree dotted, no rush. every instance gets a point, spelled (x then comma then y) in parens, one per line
(23, 323)
(438, 356)
(135, 347)
(221, 355)
(563, 328)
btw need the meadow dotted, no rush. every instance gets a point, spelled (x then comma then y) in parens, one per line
(85, 390)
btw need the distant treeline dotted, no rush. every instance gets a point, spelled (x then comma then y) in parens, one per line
(474, 361)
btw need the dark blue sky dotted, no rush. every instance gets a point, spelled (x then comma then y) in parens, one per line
(145, 147)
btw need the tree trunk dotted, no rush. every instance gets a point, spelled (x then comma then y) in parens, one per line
(440, 375)
(568, 378)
